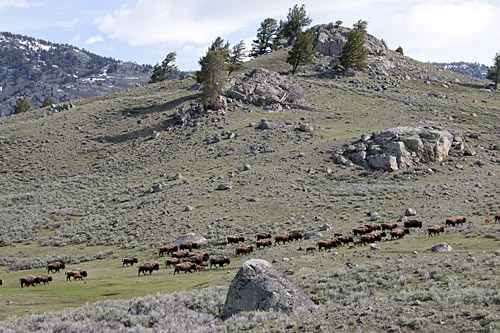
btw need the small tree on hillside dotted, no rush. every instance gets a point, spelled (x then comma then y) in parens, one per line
(400, 50)
(338, 23)
(166, 70)
(354, 53)
(302, 51)
(48, 101)
(213, 77)
(494, 72)
(266, 35)
(22, 105)
(236, 57)
(296, 20)
(218, 44)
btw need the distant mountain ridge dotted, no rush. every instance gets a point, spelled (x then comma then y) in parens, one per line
(37, 69)
(474, 70)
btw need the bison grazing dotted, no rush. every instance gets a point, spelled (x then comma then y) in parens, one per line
(188, 246)
(219, 260)
(29, 280)
(435, 230)
(263, 235)
(283, 238)
(169, 248)
(413, 224)
(129, 261)
(389, 226)
(235, 239)
(295, 235)
(75, 271)
(148, 267)
(360, 231)
(372, 226)
(185, 267)
(45, 279)
(264, 243)
(172, 262)
(54, 267)
(244, 249)
(455, 220)
(179, 254)
(497, 218)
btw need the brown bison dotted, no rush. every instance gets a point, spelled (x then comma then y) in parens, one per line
(399, 232)
(188, 246)
(202, 254)
(372, 226)
(201, 266)
(497, 218)
(54, 267)
(219, 260)
(368, 238)
(172, 262)
(1, 282)
(179, 254)
(413, 224)
(378, 235)
(29, 280)
(283, 238)
(78, 276)
(389, 226)
(356, 243)
(73, 272)
(244, 249)
(346, 239)
(337, 234)
(169, 248)
(235, 239)
(435, 230)
(310, 249)
(129, 261)
(263, 235)
(148, 267)
(360, 230)
(327, 244)
(196, 259)
(45, 279)
(296, 235)
(264, 243)
(455, 220)
(185, 267)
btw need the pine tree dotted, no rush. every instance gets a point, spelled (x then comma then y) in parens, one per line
(48, 101)
(400, 50)
(338, 23)
(236, 57)
(218, 44)
(296, 20)
(266, 35)
(354, 53)
(213, 77)
(22, 105)
(165, 70)
(494, 72)
(302, 51)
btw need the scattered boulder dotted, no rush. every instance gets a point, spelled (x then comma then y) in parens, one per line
(306, 128)
(410, 212)
(259, 286)
(157, 187)
(325, 227)
(400, 148)
(224, 187)
(191, 237)
(374, 246)
(441, 248)
(247, 167)
(177, 176)
(313, 234)
(374, 216)
(269, 125)
(154, 135)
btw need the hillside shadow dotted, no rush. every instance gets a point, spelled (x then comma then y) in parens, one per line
(139, 112)
(474, 85)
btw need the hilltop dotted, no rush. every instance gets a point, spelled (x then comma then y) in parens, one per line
(116, 176)
(38, 69)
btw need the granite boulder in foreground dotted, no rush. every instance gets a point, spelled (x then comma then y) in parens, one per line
(259, 286)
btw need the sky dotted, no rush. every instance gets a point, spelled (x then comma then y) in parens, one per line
(144, 31)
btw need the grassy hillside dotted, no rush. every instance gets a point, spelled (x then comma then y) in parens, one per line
(77, 184)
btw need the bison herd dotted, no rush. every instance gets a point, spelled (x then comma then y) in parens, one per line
(183, 259)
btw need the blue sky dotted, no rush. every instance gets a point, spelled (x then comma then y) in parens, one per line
(144, 31)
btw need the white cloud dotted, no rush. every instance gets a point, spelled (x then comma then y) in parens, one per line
(94, 39)
(439, 26)
(69, 25)
(17, 4)
(75, 39)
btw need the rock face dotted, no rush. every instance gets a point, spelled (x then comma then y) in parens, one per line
(441, 248)
(400, 148)
(191, 237)
(261, 87)
(258, 286)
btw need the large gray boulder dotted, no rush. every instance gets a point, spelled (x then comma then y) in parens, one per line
(191, 237)
(401, 147)
(441, 248)
(259, 286)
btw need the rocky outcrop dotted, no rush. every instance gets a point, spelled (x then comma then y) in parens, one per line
(441, 248)
(400, 148)
(258, 286)
(191, 237)
(262, 87)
